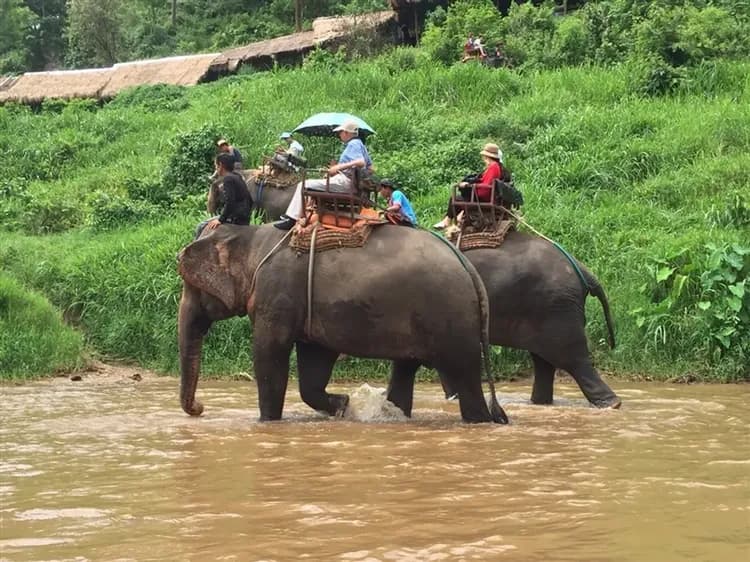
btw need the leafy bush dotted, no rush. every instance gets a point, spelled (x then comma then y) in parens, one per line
(159, 97)
(110, 212)
(700, 302)
(323, 60)
(653, 76)
(191, 160)
(33, 338)
(45, 214)
(444, 37)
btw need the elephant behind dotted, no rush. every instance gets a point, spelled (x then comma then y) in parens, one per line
(537, 303)
(404, 296)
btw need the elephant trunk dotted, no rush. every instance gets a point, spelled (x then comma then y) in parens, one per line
(191, 329)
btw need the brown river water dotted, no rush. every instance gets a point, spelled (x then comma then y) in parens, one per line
(112, 469)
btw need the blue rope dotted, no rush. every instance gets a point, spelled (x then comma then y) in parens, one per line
(261, 185)
(572, 261)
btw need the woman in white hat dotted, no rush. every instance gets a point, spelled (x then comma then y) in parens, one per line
(493, 159)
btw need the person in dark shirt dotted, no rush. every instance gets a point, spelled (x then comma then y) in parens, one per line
(237, 202)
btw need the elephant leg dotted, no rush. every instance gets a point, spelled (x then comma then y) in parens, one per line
(271, 365)
(450, 393)
(544, 380)
(401, 385)
(591, 384)
(466, 379)
(314, 365)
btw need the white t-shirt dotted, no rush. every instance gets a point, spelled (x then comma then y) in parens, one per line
(295, 149)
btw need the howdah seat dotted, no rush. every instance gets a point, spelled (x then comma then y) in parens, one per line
(341, 209)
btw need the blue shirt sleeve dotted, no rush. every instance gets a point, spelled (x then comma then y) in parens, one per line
(355, 150)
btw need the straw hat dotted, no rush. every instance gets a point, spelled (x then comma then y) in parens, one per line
(348, 126)
(493, 151)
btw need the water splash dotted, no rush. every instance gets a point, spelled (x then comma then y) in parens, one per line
(368, 404)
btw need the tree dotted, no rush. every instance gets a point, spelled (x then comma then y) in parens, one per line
(95, 31)
(46, 40)
(16, 24)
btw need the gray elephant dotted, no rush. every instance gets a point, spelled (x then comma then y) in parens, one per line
(537, 303)
(271, 201)
(404, 296)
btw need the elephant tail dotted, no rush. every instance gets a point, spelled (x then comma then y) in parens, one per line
(595, 288)
(497, 413)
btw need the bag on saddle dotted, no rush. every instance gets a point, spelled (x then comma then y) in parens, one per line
(508, 193)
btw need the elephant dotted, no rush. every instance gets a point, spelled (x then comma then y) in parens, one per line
(537, 303)
(377, 301)
(271, 201)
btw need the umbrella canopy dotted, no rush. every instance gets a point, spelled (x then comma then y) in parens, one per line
(322, 124)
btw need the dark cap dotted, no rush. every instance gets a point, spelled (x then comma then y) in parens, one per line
(386, 183)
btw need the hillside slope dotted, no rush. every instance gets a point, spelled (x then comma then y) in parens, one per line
(638, 188)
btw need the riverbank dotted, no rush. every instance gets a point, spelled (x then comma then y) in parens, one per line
(650, 192)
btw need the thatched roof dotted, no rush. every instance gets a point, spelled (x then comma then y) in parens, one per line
(324, 30)
(180, 71)
(7, 81)
(297, 42)
(34, 87)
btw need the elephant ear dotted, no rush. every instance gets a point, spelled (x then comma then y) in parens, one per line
(204, 264)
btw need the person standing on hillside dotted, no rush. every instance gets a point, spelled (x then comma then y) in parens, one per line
(226, 148)
(295, 148)
(340, 175)
(237, 201)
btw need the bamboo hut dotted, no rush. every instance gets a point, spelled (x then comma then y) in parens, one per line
(290, 49)
(35, 87)
(180, 71)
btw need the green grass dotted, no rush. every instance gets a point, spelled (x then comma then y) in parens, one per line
(33, 338)
(618, 179)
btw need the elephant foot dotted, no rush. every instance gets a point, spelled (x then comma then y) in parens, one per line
(194, 409)
(339, 404)
(537, 401)
(613, 403)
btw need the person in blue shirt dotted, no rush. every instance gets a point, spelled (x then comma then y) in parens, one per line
(339, 180)
(399, 208)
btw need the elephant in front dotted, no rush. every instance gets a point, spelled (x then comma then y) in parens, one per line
(537, 303)
(404, 296)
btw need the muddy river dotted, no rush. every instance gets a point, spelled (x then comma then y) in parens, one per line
(112, 469)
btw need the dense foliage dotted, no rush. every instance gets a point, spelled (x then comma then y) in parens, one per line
(33, 338)
(658, 40)
(650, 192)
(38, 34)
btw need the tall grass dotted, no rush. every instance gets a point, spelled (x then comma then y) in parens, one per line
(33, 338)
(619, 180)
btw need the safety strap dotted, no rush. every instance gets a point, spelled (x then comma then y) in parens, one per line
(310, 272)
(265, 258)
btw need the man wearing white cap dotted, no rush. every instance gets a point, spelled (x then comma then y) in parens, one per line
(294, 147)
(354, 155)
(224, 146)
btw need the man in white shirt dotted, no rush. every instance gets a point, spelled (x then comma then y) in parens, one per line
(295, 148)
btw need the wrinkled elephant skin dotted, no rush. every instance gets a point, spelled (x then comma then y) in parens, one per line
(404, 297)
